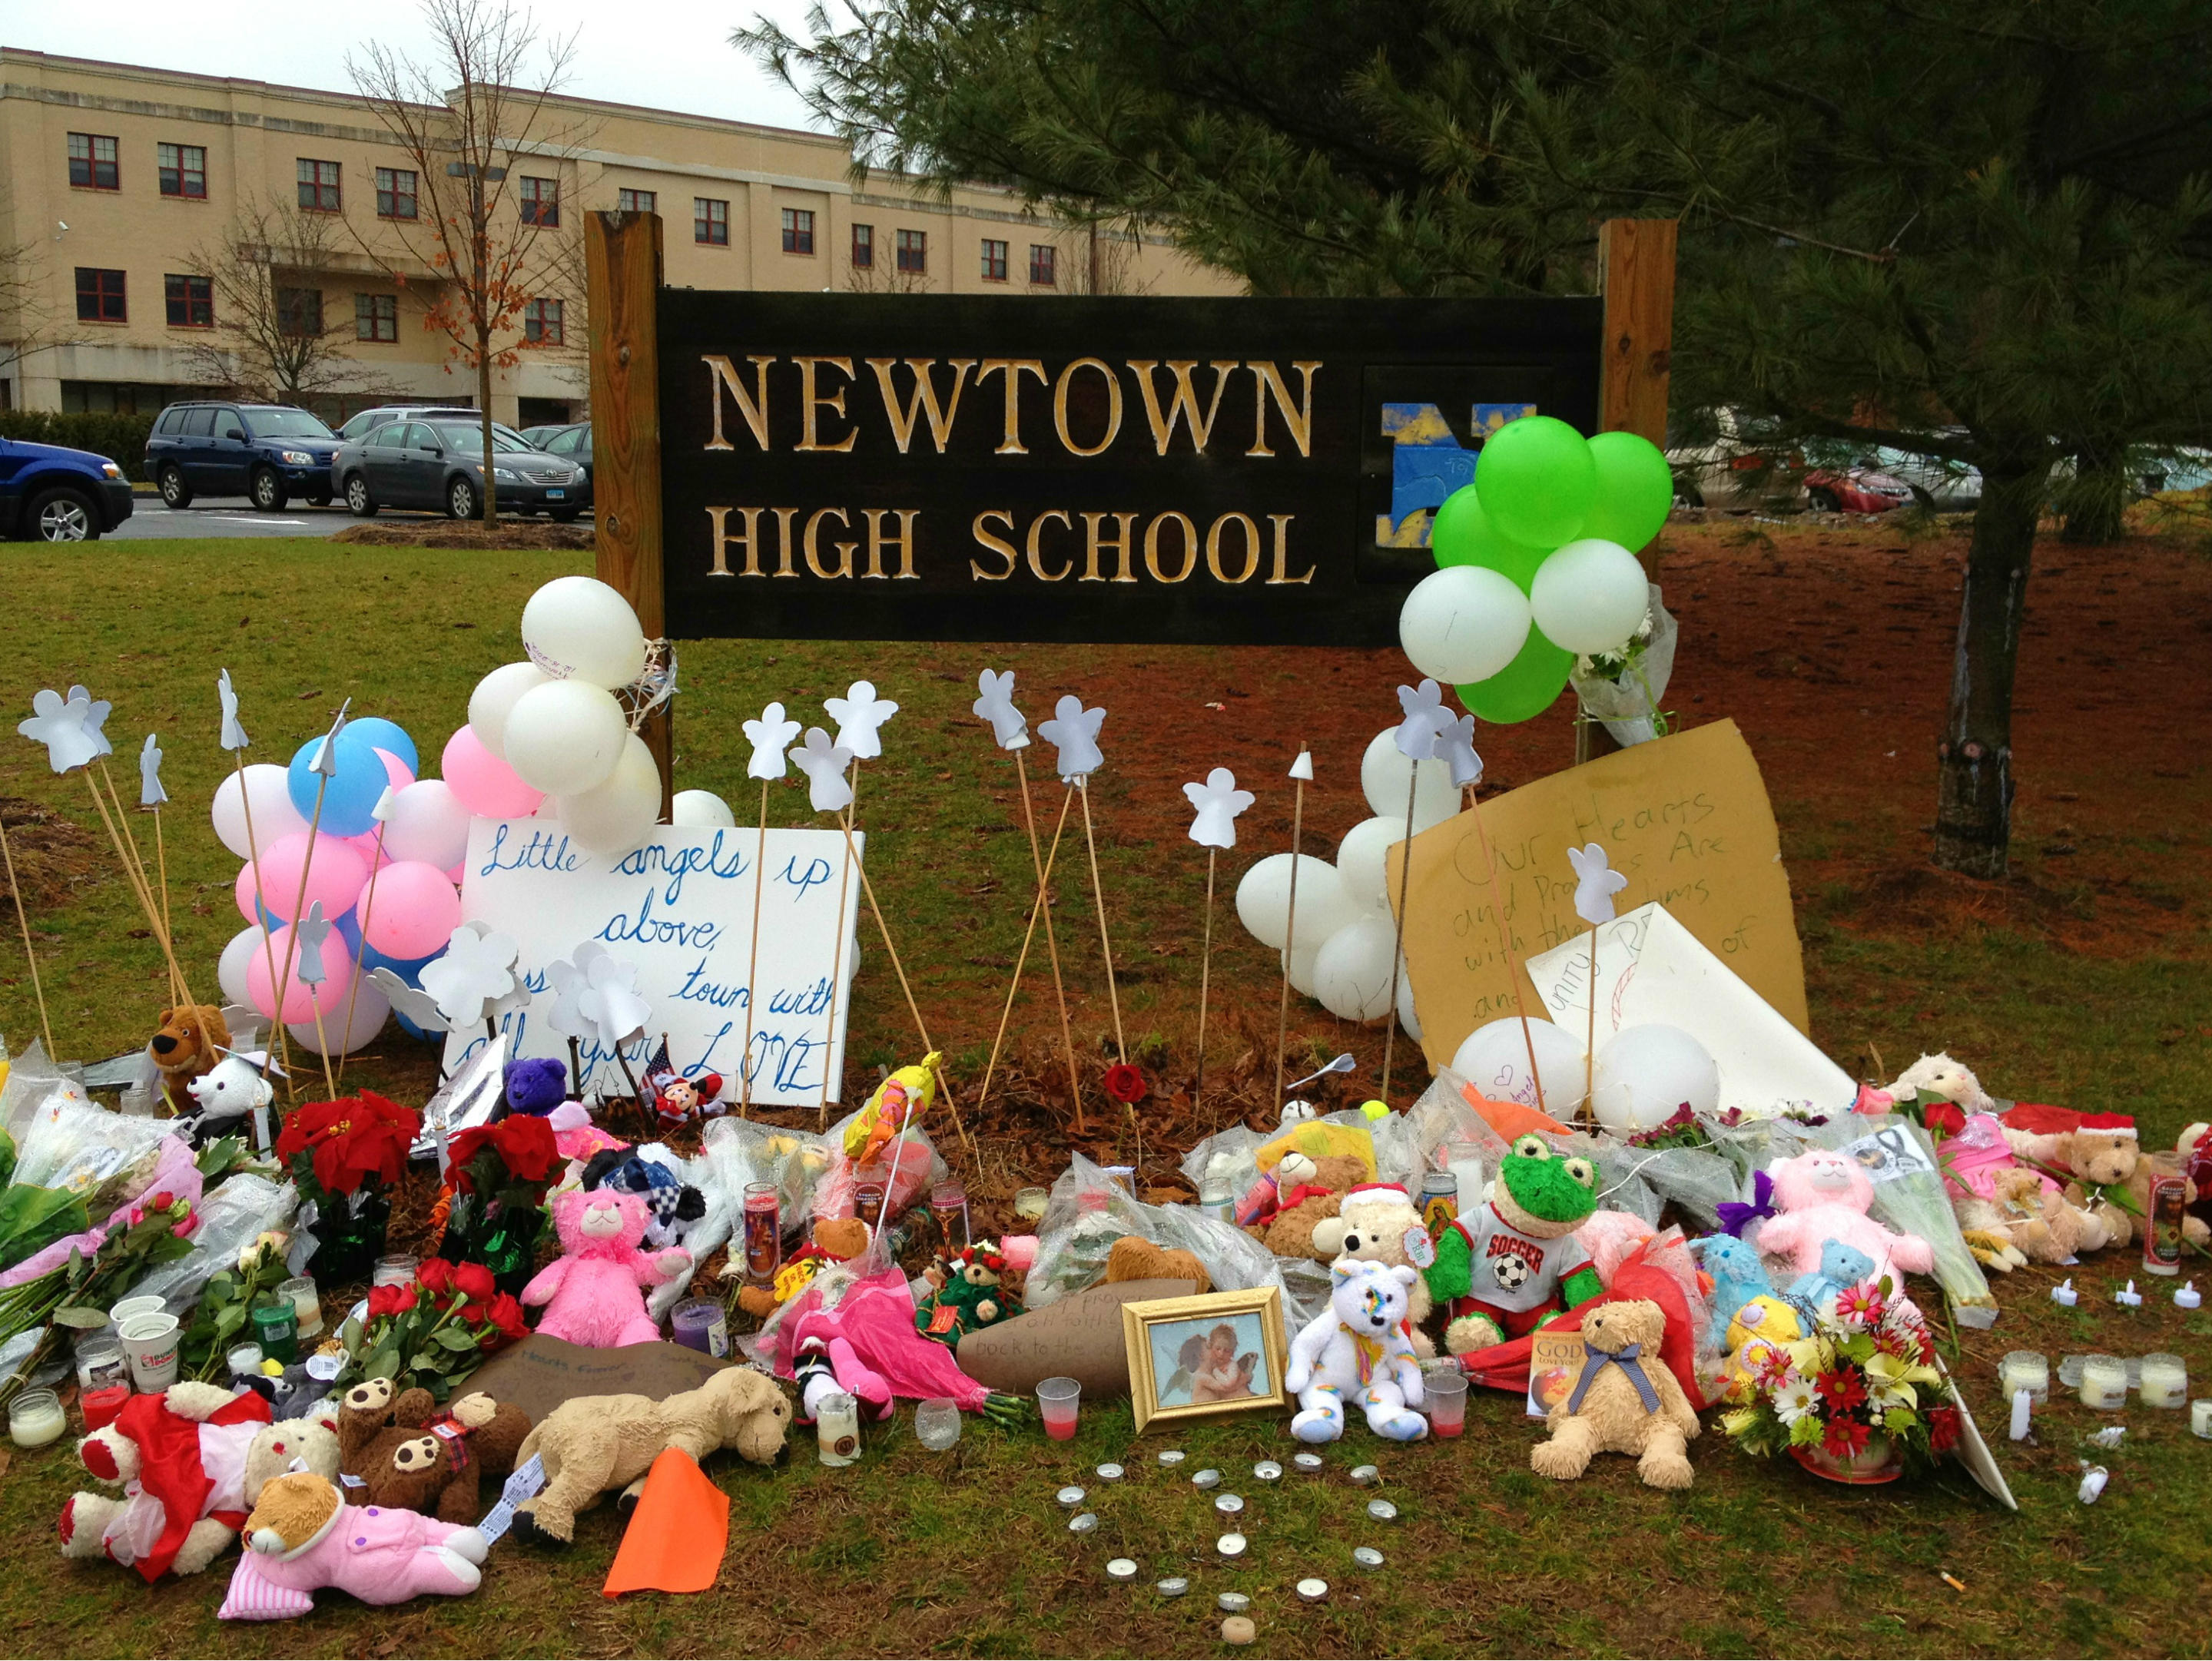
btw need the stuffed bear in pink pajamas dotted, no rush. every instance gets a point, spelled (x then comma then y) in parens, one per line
(593, 1292)
(302, 1537)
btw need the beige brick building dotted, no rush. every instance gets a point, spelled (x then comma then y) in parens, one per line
(117, 182)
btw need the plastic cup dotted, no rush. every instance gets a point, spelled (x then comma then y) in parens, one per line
(1445, 1395)
(937, 1423)
(144, 1304)
(149, 1345)
(1058, 1400)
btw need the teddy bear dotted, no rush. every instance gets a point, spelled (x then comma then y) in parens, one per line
(2037, 1223)
(398, 1451)
(1357, 1350)
(594, 1443)
(1512, 1265)
(1624, 1403)
(1309, 1192)
(1757, 1334)
(593, 1292)
(189, 1041)
(967, 1294)
(836, 1240)
(1132, 1257)
(303, 1535)
(224, 1095)
(1821, 1196)
(1738, 1277)
(535, 1084)
(1842, 1267)
(1372, 1224)
(2107, 1175)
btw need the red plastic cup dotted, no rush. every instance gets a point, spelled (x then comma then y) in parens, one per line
(1445, 1395)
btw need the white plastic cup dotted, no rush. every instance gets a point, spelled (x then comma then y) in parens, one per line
(149, 1345)
(145, 1303)
(1057, 1400)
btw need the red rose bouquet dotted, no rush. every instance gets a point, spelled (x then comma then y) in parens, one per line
(433, 1332)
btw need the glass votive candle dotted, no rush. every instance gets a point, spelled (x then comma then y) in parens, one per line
(700, 1323)
(937, 1423)
(2165, 1382)
(2104, 1382)
(2025, 1370)
(35, 1418)
(1029, 1204)
(1445, 1395)
(306, 1303)
(396, 1271)
(1057, 1402)
(99, 1406)
(276, 1330)
(244, 1361)
(99, 1364)
(2200, 1420)
(763, 1235)
(948, 1203)
(868, 1203)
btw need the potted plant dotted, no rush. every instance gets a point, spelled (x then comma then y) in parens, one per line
(345, 1157)
(497, 1179)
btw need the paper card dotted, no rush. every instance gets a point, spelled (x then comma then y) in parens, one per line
(1974, 1453)
(522, 1483)
(1890, 1154)
(1685, 818)
(1555, 1361)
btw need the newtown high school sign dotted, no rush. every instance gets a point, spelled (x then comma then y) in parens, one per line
(949, 468)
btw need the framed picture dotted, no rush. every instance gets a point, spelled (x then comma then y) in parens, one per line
(1190, 1358)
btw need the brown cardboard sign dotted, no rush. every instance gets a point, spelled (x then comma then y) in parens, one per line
(1685, 818)
(539, 1373)
(1079, 1337)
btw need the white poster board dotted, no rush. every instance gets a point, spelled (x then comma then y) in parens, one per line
(681, 908)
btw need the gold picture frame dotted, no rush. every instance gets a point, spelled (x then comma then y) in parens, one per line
(1220, 1352)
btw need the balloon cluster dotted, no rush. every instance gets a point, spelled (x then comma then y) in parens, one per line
(1536, 564)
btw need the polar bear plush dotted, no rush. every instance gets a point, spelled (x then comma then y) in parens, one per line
(1357, 1350)
(1371, 1223)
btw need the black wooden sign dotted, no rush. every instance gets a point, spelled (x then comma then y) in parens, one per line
(958, 468)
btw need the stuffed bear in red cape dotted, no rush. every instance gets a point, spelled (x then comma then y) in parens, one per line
(1505, 1366)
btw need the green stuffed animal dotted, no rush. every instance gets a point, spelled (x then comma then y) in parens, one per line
(968, 1295)
(1510, 1267)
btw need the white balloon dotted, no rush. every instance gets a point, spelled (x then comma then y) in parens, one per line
(369, 1008)
(1351, 975)
(230, 973)
(267, 796)
(495, 698)
(579, 628)
(1299, 966)
(1589, 596)
(1494, 1059)
(1359, 860)
(427, 822)
(1463, 624)
(1383, 772)
(702, 808)
(1407, 1017)
(565, 737)
(622, 813)
(1263, 901)
(1645, 1073)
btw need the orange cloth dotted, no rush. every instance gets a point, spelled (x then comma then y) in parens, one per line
(1510, 1119)
(677, 1534)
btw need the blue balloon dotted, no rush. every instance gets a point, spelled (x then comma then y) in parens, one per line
(383, 734)
(409, 970)
(349, 799)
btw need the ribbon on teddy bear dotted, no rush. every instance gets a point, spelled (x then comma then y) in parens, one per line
(1597, 1360)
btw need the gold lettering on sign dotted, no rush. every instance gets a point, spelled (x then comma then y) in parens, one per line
(1092, 546)
(1152, 546)
(1113, 405)
(786, 544)
(903, 542)
(999, 545)
(1013, 368)
(1282, 524)
(1251, 548)
(811, 403)
(1036, 554)
(924, 399)
(1266, 378)
(749, 540)
(1184, 406)
(812, 549)
(722, 374)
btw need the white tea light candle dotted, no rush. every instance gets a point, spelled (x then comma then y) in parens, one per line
(2200, 1418)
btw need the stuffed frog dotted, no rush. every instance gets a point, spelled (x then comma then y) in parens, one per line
(1510, 1266)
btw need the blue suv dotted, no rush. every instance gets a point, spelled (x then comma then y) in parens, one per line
(50, 494)
(267, 453)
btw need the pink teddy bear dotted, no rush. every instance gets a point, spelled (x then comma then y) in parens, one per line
(1822, 1196)
(593, 1292)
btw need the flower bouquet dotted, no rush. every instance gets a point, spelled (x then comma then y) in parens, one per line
(435, 1331)
(229, 1299)
(494, 1203)
(1855, 1400)
(345, 1156)
(75, 1295)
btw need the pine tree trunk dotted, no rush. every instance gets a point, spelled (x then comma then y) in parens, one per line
(2095, 500)
(1973, 810)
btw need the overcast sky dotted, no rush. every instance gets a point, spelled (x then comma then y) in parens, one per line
(668, 54)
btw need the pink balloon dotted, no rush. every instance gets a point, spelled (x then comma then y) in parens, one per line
(302, 1002)
(413, 912)
(335, 876)
(487, 786)
(396, 770)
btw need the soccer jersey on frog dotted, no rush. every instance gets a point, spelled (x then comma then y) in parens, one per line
(1509, 1270)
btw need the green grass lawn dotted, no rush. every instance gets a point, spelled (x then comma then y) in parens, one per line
(2083, 982)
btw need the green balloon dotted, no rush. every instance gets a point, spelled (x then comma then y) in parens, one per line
(1537, 481)
(1463, 534)
(1635, 490)
(1525, 687)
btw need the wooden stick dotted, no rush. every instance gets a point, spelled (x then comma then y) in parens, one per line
(1589, 1048)
(1036, 906)
(300, 900)
(1043, 869)
(323, 1041)
(1105, 943)
(1398, 944)
(1505, 944)
(280, 1038)
(1290, 929)
(134, 873)
(367, 908)
(1205, 973)
(753, 969)
(837, 957)
(23, 919)
(576, 1067)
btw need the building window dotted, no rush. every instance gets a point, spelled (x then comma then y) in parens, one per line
(638, 201)
(541, 201)
(1044, 264)
(182, 169)
(914, 251)
(864, 247)
(99, 295)
(994, 261)
(376, 316)
(299, 313)
(319, 186)
(92, 162)
(541, 322)
(396, 193)
(191, 301)
(710, 221)
(797, 230)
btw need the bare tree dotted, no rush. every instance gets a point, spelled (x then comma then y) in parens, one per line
(28, 322)
(463, 120)
(272, 338)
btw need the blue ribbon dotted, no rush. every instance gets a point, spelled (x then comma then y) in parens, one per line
(1596, 1361)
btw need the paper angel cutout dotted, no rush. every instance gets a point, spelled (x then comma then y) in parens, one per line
(1303, 767)
(95, 717)
(859, 714)
(1425, 717)
(769, 736)
(313, 930)
(150, 792)
(65, 726)
(1218, 802)
(1455, 745)
(1595, 883)
(825, 764)
(1074, 731)
(475, 969)
(324, 761)
(570, 978)
(233, 735)
(1010, 728)
(416, 1004)
(609, 1003)
(382, 812)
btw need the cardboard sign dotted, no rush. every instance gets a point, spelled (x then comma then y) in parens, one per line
(681, 908)
(539, 1373)
(1684, 819)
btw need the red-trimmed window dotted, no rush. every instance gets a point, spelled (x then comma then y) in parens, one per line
(1044, 264)
(191, 301)
(914, 251)
(797, 230)
(92, 159)
(182, 169)
(99, 295)
(376, 317)
(397, 193)
(994, 260)
(541, 201)
(710, 221)
(864, 247)
(318, 186)
(637, 201)
(541, 322)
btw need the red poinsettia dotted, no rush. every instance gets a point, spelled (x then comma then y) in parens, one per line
(1842, 1390)
(1124, 1084)
(522, 1142)
(349, 1141)
(1942, 1429)
(1845, 1438)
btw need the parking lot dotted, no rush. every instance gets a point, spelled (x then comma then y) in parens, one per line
(152, 521)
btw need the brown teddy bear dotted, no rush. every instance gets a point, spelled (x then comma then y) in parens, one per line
(1627, 1400)
(191, 1041)
(1318, 1198)
(2110, 1176)
(399, 1451)
(2038, 1222)
(836, 1240)
(1135, 1258)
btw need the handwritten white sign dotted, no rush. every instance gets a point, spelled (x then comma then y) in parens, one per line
(681, 908)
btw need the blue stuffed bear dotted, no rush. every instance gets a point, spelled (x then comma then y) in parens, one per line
(1842, 1267)
(536, 1083)
(1738, 1277)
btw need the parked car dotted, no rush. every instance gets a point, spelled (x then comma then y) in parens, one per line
(1862, 488)
(51, 494)
(573, 442)
(1741, 467)
(439, 465)
(360, 426)
(1944, 487)
(267, 453)
(537, 435)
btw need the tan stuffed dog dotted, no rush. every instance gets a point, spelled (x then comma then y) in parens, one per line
(1608, 1411)
(594, 1443)
(1135, 1258)
(191, 1042)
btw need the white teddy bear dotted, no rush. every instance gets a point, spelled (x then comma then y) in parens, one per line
(1372, 1225)
(1357, 1350)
